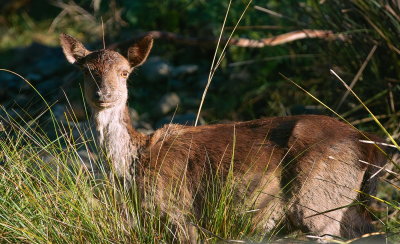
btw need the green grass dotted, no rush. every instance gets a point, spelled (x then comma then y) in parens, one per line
(48, 194)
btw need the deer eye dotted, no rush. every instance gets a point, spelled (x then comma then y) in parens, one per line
(124, 74)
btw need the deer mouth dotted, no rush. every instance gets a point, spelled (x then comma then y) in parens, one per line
(104, 104)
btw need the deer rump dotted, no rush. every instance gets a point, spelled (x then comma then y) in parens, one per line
(305, 169)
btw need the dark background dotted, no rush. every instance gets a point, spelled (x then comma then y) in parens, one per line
(177, 73)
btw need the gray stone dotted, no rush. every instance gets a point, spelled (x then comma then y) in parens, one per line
(155, 69)
(49, 66)
(182, 119)
(49, 86)
(33, 77)
(167, 103)
(176, 84)
(133, 114)
(184, 70)
(22, 99)
(202, 81)
(10, 81)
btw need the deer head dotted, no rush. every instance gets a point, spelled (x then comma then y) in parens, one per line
(105, 71)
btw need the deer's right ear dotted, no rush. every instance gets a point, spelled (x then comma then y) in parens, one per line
(139, 51)
(72, 48)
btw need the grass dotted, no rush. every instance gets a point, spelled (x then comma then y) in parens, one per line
(49, 195)
(51, 191)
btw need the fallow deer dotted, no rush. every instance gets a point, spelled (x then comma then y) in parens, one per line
(304, 169)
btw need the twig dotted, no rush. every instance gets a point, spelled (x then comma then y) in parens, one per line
(56, 20)
(71, 8)
(366, 236)
(391, 97)
(380, 168)
(365, 107)
(369, 119)
(216, 236)
(324, 238)
(378, 143)
(102, 28)
(357, 76)
(278, 15)
(268, 11)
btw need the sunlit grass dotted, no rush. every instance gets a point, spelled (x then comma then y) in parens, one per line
(52, 191)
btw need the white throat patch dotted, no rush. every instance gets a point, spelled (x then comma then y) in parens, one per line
(115, 140)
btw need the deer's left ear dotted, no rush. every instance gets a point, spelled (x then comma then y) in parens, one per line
(138, 52)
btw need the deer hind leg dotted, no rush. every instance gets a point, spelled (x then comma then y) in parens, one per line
(269, 207)
(270, 218)
(322, 193)
(178, 208)
(356, 222)
(185, 232)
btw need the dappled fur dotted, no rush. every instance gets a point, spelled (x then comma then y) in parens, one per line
(292, 169)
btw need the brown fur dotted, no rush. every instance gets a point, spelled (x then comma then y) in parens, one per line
(295, 168)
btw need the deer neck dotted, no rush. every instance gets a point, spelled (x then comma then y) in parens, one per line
(120, 142)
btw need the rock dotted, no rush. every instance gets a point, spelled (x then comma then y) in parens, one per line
(65, 113)
(240, 76)
(74, 161)
(33, 77)
(142, 125)
(167, 103)
(145, 131)
(155, 69)
(145, 125)
(49, 86)
(48, 66)
(176, 84)
(190, 100)
(182, 119)
(133, 114)
(146, 116)
(3, 95)
(23, 99)
(184, 70)
(202, 81)
(10, 81)
(58, 111)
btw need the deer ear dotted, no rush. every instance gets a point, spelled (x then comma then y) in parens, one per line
(72, 48)
(139, 51)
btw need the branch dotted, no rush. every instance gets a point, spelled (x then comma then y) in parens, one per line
(239, 42)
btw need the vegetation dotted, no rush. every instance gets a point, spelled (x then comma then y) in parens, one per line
(49, 195)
